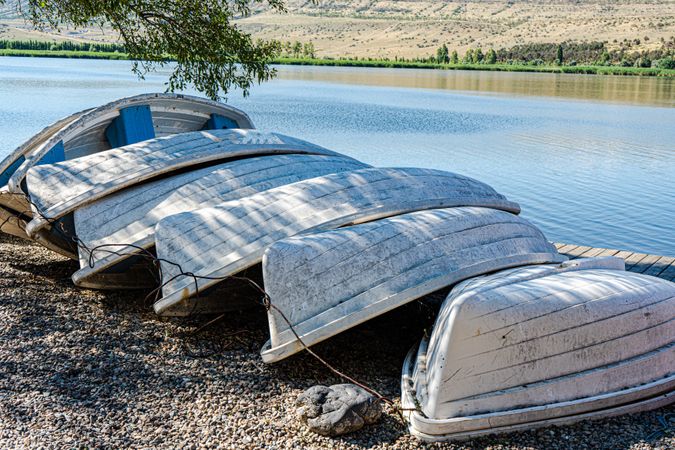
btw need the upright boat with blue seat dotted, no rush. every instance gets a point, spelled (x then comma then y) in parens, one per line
(122, 122)
(58, 190)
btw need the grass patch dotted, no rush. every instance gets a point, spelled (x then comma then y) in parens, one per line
(599, 70)
(63, 54)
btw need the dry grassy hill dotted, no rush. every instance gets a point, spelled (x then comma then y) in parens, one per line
(411, 28)
(414, 28)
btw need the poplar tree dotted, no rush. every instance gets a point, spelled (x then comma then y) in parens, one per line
(454, 58)
(491, 57)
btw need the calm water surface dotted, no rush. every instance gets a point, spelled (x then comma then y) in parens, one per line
(591, 159)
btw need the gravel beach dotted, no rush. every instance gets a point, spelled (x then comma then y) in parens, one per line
(88, 369)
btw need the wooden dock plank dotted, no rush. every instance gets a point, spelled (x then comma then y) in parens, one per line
(659, 266)
(645, 263)
(567, 248)
(607, 252)
(634, 259)
(624, 254)
(573, 254)
(593, 252)
(668, 273)
(654, 265)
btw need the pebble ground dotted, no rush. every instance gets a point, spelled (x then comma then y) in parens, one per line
(87, 369)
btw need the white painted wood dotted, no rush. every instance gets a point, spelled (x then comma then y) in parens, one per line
(328, 282)
(548, 338)
(85, 135)
(221, 241)
(629, 400)
(130, 216)
(17, 202)
(58, 189)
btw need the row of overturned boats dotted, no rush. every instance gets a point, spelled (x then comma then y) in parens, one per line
(183, 194)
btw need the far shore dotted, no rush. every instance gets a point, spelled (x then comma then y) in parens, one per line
(578, 69)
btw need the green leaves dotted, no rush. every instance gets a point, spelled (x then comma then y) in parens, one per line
(210, 53)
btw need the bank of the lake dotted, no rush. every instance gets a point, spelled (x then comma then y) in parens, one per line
(389, 64)
(378, 63)
(63, 54)
(98, 369)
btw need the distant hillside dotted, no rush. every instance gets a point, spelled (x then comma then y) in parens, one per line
(415, 28)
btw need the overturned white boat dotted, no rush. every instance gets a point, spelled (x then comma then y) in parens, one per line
(122, 122)
(327, 282)
(215, 243)
(115, 231)
(543, 345)
(57, 190)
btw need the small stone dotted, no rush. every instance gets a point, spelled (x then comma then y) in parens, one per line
(338, 409)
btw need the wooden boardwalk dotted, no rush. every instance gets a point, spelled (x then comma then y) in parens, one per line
(658, 266)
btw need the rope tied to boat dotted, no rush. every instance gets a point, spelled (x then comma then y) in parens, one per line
(144, 253)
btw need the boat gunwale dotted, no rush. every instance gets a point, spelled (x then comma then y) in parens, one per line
(181, 293)
(41, 219)
(38, 138)
(103, 112)
(659, 393)
(333, 327)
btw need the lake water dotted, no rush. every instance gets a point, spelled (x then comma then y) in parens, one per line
(590, 159)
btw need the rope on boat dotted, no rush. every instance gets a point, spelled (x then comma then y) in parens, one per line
(153, 259)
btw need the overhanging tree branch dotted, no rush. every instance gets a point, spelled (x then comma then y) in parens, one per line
(210, 52)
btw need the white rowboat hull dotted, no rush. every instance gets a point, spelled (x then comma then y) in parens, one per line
(325, 283)
(219, 242)
(130, 216)
(534, 346)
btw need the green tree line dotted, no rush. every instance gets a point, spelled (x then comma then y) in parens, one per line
(297, 49)
(62, 46)
(567, 53)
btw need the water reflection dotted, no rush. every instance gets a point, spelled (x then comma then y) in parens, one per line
(597, 172)
(658, 91)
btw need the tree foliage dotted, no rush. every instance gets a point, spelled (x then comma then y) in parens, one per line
(491, 57)
(560, 55)
(198, 37)
(63, 45)
(442, 56)
(454, 58)
(572, 53)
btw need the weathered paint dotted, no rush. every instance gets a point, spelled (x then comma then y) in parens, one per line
(325, 283)
(218, 122)
(529, 345)
(9, 171)
(130, 216)
(224, 240)
(59, 189)
(134, 124)
(83, 133)
(54, 155)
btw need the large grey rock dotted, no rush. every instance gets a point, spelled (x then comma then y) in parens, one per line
(338, 409)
